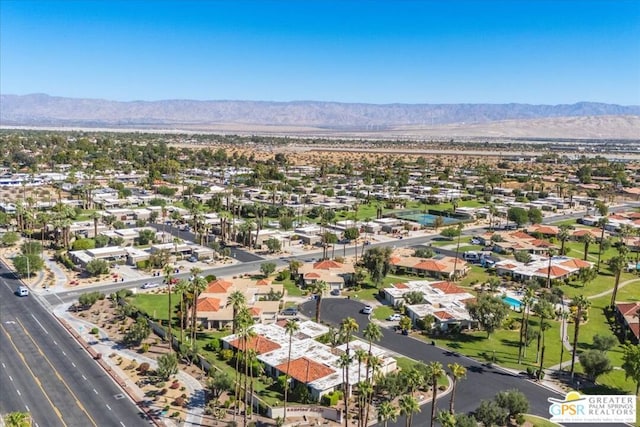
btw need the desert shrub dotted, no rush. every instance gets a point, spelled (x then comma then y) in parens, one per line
(144, 367)
(179, 401)
(174, 385)
(144, 347)
(226, 354)
(95, 331)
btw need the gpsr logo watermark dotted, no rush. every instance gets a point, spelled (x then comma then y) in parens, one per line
(577, 408)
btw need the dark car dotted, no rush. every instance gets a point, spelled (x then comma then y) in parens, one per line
(289, 311)
(335, 292)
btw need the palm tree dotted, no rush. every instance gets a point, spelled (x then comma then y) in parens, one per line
(361, 356)
(408, 407)
(446, 418)
(344, 361)
(580, 305)
(18, 419)
(182, 288)
(365, 391)
(237, 299)
(168, 270)
(198, 284)
(291, 327)
(602, 223)
(563, 235)
(435, 371)
(374, 363)
(544, 310)
(348, 327)
(387, 412)
(318, 289)
(526, 302)
(95, 216)
(371, 333)
(294, 266)
(587, 239)
(459, 229)
(457, 372)
(617, 264)
(587, 275)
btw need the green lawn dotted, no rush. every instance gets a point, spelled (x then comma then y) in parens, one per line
(477, 274)
(382, 312)
(539, 421)
(156, 306)
(291, 288)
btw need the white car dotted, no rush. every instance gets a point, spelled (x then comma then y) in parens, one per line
(394, 317)
(475, 241)
(150, 285)
(367, 309)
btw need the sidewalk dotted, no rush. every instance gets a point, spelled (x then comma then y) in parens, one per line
(106, 346)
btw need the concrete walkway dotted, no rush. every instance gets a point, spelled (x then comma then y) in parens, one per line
(106, 346)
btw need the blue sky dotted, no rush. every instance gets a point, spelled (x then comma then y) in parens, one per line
(476, 51)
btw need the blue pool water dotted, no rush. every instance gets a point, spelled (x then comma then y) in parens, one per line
(512, 302)
(428, 219)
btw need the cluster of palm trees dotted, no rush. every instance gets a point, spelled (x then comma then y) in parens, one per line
(60, 218)
(188, 291)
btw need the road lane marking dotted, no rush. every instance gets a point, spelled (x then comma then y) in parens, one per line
(80, 405)
(37, 381)
(11, 378)
(40, 324)
(122, 424)
(4, 366)
(108, 407)
(18, 391)
(84, 378)
(95, 391)
(73, 364)
(27, 407)
(54, 341)
(64, 354)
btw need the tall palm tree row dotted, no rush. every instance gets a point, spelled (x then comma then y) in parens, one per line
(408, 406)
(387, 412)
(347, 327)
(579, 306)
(237, 300)
(198, 284)
(434, 371)
(318, 289)
(458, 372)
(168, 277)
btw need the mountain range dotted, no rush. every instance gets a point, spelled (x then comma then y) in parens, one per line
(305, 116)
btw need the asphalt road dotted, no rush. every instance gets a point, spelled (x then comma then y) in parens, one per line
(46, 372)
(482, 382)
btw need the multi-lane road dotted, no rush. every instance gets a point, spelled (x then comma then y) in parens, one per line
(45, 372)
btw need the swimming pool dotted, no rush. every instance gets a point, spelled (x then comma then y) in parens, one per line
(512, 302)
(428, 219)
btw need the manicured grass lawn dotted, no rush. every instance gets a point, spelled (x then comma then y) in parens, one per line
(539, 421)
(405, 363)
(442, 241)
(156, 306)
(571, 222)
(382, 312)
(477, 274)
(291, 288)
(474, 248)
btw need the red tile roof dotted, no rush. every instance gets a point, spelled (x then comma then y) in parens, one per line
(258, 343)
(312, 275)
(520, 235)
(555, 271)
(401, 286)
(576, 263)
(263, 282)
(327, 265)
(448, 287)
(255, 311)
(443, 315)
(208, 304)
(218, 286)
(430, 265)
(305, 370)
(394, 260)
(628, 308)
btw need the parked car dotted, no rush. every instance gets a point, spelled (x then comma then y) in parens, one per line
(367, 309)
(289, 311)
(394, 317)
(475, 241)
(335, 292)
(150, 285)
(192, 259)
